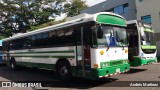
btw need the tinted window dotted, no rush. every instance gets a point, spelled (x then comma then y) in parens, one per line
(39, 36)
(87, 35)
(126, 8)
(116, 10)
(146, 19)
(78, 35)
(0, 47)
(60, 37)
(119, 9)
(45, 35)
(34, 37)
(69, 39)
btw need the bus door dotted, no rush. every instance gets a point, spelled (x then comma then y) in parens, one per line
(133, 41)
(83, 51)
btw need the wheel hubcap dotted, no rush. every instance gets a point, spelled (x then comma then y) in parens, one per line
(12, 65)
(63, 71)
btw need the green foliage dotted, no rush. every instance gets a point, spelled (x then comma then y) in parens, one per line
(2, 37)
(75, 7)
(23, 15)
(46, 24)
(19, 16)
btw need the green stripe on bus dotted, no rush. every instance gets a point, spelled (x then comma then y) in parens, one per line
(153, 47)
(43, 52)
(139, 61)
(38, 65)
(96, 73)
(112, 70)
(148, 47)
(148, 30)
(111, 19)
(46, 56)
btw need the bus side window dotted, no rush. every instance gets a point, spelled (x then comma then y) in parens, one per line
(45, 39)
(39, 40)
(69, 40)
(87, 35)
(8, 46)
(34, 37)
(27, 42)
(77, 35)
(60, 37)
(13, 44)
(21, 43)
(52, 38)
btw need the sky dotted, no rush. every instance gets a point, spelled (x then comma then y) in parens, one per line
(93, 2)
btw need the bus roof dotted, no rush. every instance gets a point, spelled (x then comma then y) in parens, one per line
(83, 19)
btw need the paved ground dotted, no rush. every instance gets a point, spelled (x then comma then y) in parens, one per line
(142, 73)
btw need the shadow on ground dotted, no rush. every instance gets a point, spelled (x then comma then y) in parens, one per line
(135, 70)
(48, 78)
(2, 65)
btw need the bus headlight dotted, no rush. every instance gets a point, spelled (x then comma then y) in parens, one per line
(101, 52)
(126, 51)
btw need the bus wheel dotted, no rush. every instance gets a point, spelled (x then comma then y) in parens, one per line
(13, 65)
(64, 71)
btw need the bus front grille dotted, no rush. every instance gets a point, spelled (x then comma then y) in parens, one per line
(116, 63)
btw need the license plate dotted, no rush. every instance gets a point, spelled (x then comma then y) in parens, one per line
(118, 70)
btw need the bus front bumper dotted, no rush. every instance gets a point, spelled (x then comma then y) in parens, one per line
(113, 70)
(148, 61)
(139, 61)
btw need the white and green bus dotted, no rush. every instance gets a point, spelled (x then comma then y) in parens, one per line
(142, 48)
(92, 46)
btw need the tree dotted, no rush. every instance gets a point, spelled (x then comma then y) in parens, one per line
(74, 7)
(19, 16)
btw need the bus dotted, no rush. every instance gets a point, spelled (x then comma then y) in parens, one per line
(142, 48)
(1, 61)
(91, 46)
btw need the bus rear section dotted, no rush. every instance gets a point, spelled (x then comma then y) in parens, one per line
(142, 48)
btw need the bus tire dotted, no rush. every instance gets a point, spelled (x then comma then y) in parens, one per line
(13, 65)
(63, 71)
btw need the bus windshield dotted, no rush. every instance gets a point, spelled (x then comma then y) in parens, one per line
(147, 37)
(113, 36)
